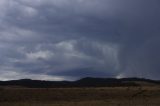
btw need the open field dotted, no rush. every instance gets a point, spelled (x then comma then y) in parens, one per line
(117, 96)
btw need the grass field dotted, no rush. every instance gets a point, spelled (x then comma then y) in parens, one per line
(118, 96)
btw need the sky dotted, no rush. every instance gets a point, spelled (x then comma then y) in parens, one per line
(72, 39)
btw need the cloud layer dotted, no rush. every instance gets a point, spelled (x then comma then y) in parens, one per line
(70, 39)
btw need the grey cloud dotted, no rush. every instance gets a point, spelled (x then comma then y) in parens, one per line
(62, 37)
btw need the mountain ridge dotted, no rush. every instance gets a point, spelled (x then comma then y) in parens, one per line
(84, 82)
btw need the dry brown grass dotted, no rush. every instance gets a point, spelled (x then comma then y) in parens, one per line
(118, 96)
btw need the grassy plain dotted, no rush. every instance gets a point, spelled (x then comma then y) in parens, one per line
(111, 96)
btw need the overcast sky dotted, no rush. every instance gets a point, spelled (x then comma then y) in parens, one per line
(71, 39)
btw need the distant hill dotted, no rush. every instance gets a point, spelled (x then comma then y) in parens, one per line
(85, 82)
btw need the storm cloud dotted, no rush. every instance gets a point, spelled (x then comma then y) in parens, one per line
(70, 39)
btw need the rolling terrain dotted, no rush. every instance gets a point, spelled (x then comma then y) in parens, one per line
(84, 92)
(85, 82)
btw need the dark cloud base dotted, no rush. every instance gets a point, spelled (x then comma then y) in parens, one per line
(69, 39)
